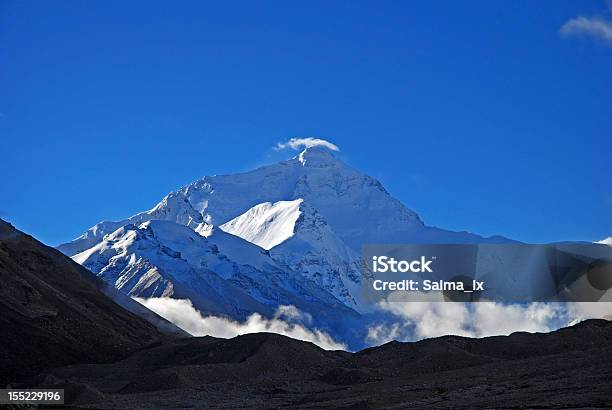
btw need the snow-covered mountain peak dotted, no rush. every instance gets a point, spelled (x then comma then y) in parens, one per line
(317, 157)
(284, 234)
(267, 224)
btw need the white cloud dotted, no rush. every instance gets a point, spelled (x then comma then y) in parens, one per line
(415, 320)
(589, 310)
(424, 319)
(291, 313)
(585, 26)
(383, 333)
(287, 321)
(432, 319)
(498, 319)
(307, 142)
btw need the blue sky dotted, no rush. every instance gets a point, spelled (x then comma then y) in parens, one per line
(484, 116)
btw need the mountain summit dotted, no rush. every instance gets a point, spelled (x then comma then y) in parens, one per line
(317, 157)
(284, 234)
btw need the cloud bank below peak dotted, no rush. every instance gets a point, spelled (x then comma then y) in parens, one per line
(288, 321)
(306, 142)
(419, 320)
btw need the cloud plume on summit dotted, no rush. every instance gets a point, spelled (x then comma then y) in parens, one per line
(306, 142)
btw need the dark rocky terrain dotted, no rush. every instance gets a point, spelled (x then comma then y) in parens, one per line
(61, 331)
(569, 368)
(54, 312)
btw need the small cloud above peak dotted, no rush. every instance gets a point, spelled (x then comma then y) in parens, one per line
(306, 142)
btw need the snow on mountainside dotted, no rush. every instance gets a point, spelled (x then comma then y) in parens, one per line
(267, 224)
(607, 241)
(163, 258)
(284, 234)
(144, 261)
(299, 237)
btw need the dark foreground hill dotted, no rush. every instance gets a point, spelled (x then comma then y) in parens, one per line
(571, 367)
(60, 331)
(54, 312)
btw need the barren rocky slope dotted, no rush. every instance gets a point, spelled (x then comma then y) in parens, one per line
(54, 312)
(571, 367)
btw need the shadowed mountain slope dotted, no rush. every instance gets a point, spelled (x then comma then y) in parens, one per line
(570, 367)
(54, 312)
